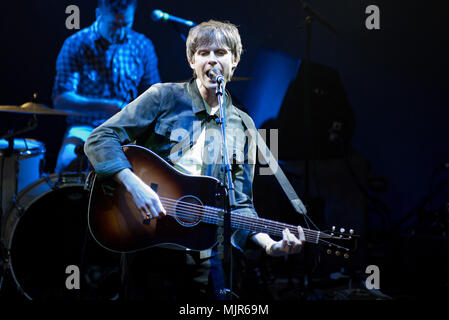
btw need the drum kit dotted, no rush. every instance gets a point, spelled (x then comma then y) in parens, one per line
(43, 216)
(43, 220)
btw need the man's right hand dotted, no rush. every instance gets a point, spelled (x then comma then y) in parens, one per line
(146, 200)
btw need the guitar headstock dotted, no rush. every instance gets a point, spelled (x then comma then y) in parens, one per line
(339, 242)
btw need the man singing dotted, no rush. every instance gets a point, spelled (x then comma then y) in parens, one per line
(156, 120)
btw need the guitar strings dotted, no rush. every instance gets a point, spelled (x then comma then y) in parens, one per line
(177, 213)
(214, 211)
(248, 221)
(274, 231)
(268, 226)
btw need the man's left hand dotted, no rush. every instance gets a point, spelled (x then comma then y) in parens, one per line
(289, 244)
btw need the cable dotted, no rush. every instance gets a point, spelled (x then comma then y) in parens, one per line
(380, 207)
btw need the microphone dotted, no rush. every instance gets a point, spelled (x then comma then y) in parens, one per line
(215, 75)
(158, 15)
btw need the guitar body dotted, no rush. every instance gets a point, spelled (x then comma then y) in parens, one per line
(117, 225)
(194, 206)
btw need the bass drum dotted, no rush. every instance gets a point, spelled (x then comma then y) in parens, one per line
(45, 231)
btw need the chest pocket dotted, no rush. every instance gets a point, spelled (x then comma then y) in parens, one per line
(236, 145)
(174, 138)
(132, 71)
(163, 128)
(172, 131)
(91, 81)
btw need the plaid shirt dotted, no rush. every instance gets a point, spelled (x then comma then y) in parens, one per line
(92, 67)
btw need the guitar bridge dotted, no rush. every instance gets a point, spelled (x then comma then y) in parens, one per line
(108, 190)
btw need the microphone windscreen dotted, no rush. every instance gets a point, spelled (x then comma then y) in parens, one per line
(214, 72)
(156, 15)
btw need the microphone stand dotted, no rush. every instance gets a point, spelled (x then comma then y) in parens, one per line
(308, 20)
(311, 15)
(175, 26)
(230, 201)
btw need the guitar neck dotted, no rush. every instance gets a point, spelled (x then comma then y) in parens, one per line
(256, 224)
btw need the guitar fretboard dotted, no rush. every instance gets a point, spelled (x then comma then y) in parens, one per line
(256, 224)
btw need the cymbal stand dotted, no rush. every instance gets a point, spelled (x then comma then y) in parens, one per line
(311, 15)
(9, 136)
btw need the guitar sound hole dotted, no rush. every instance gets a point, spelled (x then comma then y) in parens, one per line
(188, 211)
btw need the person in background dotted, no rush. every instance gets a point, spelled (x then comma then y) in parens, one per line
(155, 120)
(98, 71)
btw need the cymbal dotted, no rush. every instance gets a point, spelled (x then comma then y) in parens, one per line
(35, 108)
(233, 79)
(241, 79)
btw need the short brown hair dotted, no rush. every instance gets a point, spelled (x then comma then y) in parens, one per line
(117, 6)
(206, 33)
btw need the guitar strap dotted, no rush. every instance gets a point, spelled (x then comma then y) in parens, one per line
(273, 165)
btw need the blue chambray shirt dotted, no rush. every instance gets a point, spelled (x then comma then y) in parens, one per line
(163, 119)
(92, 67)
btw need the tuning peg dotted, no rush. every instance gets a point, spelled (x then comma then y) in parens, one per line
(333, 228)
(337, 253)
(346, 256)
(342, 230)
(329, 251)
(351, 232)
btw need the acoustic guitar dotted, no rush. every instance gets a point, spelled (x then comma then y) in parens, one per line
(194, 212)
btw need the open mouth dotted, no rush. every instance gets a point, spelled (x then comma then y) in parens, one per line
(209, 77)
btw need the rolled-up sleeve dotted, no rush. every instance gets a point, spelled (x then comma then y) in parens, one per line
(103, 147)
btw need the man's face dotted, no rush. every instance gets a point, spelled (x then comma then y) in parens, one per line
(114, 26)
(208, 57)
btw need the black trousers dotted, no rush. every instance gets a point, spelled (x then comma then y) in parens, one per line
(170, 275)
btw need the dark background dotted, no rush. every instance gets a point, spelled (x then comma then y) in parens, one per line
(395, 80)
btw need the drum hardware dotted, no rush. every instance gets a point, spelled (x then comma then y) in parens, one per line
(21, 164)
(63, 178)
(10, 165)
(32, 124)
(7, 147)
(89, 180)
(23, 188)
(4, 260)
(50, 183)
(70, 177)
(52, 213)
(4, 256)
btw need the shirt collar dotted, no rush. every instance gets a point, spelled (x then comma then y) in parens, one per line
(198, 101)
(101, 39)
